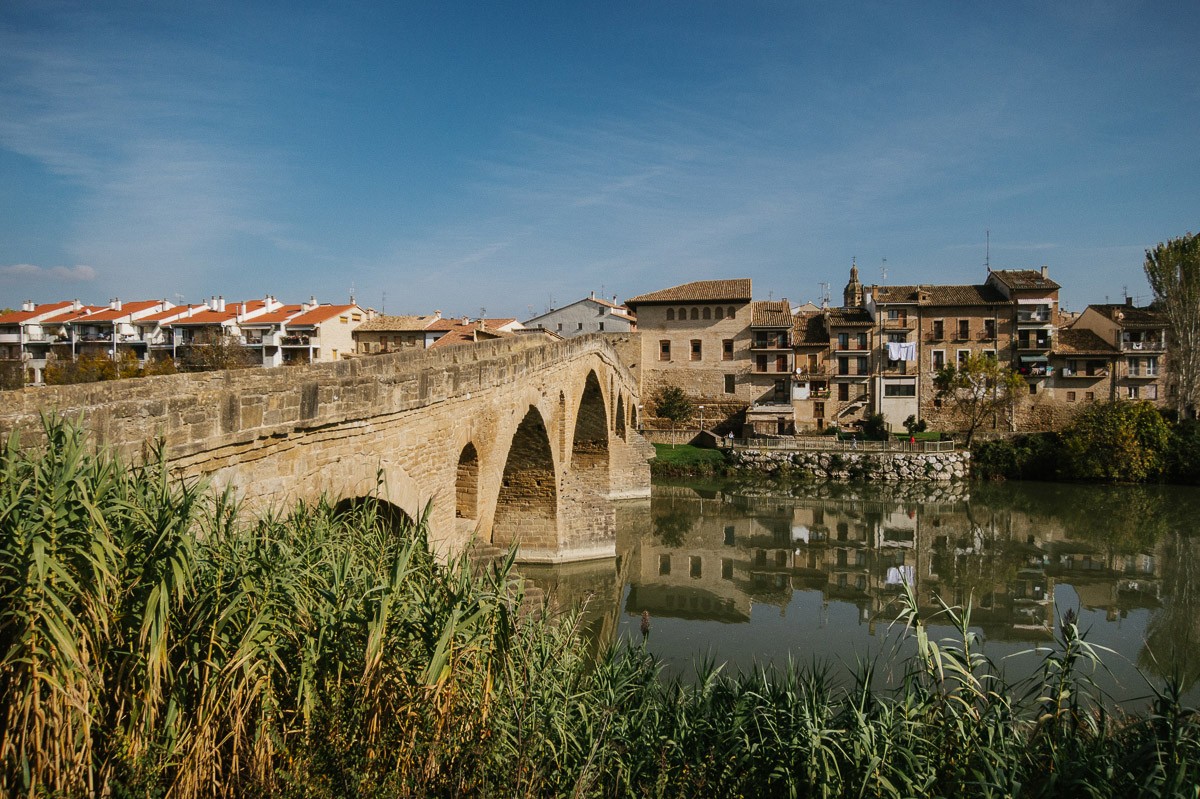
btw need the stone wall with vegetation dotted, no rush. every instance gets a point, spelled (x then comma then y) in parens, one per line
(888, 467)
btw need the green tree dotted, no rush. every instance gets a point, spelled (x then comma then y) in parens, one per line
(875, 428)
(1120, 441)
(977, 390)
(672, 404)
(1173, 271)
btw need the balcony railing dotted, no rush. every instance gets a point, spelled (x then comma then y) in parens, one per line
(1151, 345)
(1143, 374)
(852, 346)
(1082, 373)
(1034, 344)
(897, 324)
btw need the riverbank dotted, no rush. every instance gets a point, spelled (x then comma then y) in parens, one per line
(809, 465)
(155, 641)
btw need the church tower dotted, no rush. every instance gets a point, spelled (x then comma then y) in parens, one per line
(852, 295)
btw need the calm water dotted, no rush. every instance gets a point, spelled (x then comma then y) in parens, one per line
(745, 576)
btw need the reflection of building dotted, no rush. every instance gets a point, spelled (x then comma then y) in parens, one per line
(715, 556)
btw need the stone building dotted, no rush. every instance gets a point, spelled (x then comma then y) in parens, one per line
(398, 333)
(1139, 337)
(697, 336)
(772, 355)
(592, 314)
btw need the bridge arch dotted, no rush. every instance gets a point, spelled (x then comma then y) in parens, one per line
(466, 489)
(620, 422)
(527, 503)
(589, 443)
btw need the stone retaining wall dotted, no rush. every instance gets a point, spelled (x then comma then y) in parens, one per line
(888, 467)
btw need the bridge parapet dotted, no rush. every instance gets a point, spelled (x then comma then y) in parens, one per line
(275, 435)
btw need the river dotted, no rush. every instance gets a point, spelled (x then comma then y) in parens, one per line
(746, 575)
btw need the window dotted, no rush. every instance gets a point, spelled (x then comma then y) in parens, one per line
(726, 568)
(1133, 392)
(600, 326)
(781, 363)
(1151, 392)
(964, 328)
(991, 354)
(818, 409)
(670, 314)
(939, 359)
(695, 313)
(962, 356)
(695, 349)
(580, 326)
(695, 567)
(1090, 396)
(729, 312)
(900, 390)
(344, 319)
(729, 384)
(560, 327)
(843, 341)
(843, 365)
(357, 317)
(760, 362)
(729, 535)
(1070, 396)
(1033, 388)
(727, 350)
(664, 564)
(860, 363)
(989, 328)
(720, 312)
(843, 392)
(861, 340)
(939, 331)
(664, 350)
(682, 314)
(707, 313)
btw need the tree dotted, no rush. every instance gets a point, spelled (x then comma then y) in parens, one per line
(671, 403)
(210, 351)
(1121, 441)
(1173, 271)
(913, 426)
(976, 390)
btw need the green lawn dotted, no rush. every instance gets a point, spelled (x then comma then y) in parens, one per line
(687, 455)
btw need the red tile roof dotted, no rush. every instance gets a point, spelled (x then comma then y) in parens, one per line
(275, 317)
(170, 313)
(1128, 316)
(766, 313)
(72, 316)
(1024, 279)
(17, 317)
(1071, 341)
(127, 308)
(737, 290)
(323, 313)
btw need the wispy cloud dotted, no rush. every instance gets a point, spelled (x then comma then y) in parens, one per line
(148, 130)
(71, 274)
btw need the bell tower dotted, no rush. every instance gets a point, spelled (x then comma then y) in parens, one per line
(852, 295)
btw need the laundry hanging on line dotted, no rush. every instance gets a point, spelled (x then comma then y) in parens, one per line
(902, 350)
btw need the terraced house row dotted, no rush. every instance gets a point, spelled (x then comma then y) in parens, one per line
(806, 369)
(149, 330)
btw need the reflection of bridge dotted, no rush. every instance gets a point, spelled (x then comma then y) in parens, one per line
(517, 439)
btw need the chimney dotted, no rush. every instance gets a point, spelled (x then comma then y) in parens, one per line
(1129, 302)
(27, 305)
(76, 305)
(312, 301)
(221, 303)
(1045, 272)
(466, 320)
(116, 304)
(437, 314)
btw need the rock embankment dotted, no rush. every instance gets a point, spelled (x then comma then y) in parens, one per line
(887, 467)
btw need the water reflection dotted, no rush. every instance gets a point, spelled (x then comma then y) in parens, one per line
(751, 574)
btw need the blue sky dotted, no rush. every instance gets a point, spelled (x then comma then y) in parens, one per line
(460, 156)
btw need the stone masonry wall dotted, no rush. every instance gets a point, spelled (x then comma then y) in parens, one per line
(887, 467)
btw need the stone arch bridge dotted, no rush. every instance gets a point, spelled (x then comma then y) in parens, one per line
(513, 440)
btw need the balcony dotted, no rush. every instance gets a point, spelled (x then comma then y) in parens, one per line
(770, 345)
(1143, 374)
(1147, 344)
(1082, 374)
(852, 346)
(1043, 343)
(1036, 318)
(901, 323)
(295, 341)
(771, 369)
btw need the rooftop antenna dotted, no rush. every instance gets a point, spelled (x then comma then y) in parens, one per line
(824, 284)
(883, 271)
(383, 304)
(1125, 291)
(482, 312)
(352, 293)
(987, 249)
